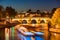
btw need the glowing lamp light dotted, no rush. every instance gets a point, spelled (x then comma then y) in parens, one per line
(55, 34)
(33, 24)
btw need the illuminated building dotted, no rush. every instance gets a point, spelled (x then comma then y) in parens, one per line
(55, 29)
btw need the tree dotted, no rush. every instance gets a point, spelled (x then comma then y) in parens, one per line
(56, 17)
(52, 12)
(29, 11)
(38, 11)
(10, 12)
(1, 9)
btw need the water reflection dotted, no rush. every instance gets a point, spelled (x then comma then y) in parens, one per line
(47, 34)
(54, 36)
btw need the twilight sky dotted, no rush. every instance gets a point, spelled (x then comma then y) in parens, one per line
(24, 5)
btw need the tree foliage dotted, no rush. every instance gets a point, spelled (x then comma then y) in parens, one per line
(10, 12)
(1, 9)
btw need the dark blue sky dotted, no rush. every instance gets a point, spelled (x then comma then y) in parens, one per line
(20, 5)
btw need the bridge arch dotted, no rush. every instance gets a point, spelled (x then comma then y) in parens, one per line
(24, 21)
(33, 21)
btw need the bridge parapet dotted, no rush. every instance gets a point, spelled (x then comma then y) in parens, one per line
(28, 20)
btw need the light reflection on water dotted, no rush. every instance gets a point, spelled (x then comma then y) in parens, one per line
(47, 35)
(54, 36)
